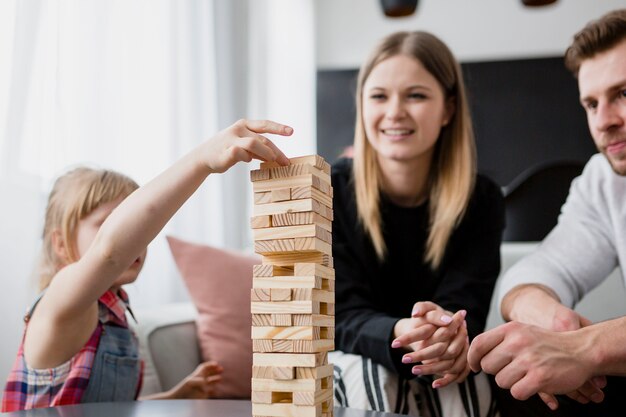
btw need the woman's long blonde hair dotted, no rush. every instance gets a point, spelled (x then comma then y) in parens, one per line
(73, 197)
(453, 171)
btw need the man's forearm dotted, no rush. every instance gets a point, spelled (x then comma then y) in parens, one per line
(608, 351)
(528, 304)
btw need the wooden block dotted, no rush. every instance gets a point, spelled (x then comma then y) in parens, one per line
(291, 182)
(263, 198)
(295, 219)
(264, 372)
(283, 372)
(295, 170)
(308, 191)
(317, 372)
(312, 244)
(294, 385)
(313, 268)
(313, 320)
(286, 410)
(312, 397)
(261, 397)
(290, 359)
(282, 345)
(263, 320)
(259, 222)
(268, 397)
(274, 372)
(275, 246)
(327, 308)
(285, 307)
(327, 332)
(279, 294)
(312, 346)
(288, 232)
(281, 320)
(262, 345)
(269, 270)
(286, 333)
(280, 194)
(260, 294)
(315, 160)
(293, 206)
(292, 345)
(313, 294)
(288, 282)
(289, 259)
(259, 175)
(297, 245)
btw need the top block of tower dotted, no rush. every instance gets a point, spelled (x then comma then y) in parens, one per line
(314, 160)
(293, 207)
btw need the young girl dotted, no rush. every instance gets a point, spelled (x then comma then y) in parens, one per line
(416, 238)
(77, 346)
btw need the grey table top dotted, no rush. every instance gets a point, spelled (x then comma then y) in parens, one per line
(169, 408)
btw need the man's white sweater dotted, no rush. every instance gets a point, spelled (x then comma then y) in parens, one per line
(588, 242)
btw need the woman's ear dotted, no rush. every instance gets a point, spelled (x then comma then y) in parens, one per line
(60, 247)
(450, 108)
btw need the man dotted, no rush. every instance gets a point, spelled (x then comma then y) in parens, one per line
(547, 348)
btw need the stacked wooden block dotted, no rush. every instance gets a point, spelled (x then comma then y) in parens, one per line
(293, 294)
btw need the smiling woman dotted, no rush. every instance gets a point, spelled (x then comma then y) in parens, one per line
(404, 109)
(416, 238)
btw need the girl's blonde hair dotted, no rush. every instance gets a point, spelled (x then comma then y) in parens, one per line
(453, 171)
(73, 197)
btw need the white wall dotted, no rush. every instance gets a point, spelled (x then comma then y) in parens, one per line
(474, 30)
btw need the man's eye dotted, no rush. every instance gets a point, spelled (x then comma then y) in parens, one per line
(590, 105)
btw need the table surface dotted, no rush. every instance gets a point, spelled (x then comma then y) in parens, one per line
(178, 408)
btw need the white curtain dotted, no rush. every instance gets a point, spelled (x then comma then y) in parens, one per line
(126, 85)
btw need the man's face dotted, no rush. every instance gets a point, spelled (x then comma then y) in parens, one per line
(602, 85)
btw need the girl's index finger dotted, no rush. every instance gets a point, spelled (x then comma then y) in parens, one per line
(268, 126)
(281, 158)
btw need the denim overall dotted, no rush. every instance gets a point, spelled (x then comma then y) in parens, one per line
(116, 368)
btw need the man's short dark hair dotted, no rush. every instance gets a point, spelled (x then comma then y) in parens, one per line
(598, 36)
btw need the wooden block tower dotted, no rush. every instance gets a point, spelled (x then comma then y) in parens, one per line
(293, 294)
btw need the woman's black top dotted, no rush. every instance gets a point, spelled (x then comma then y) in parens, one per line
(371, 296)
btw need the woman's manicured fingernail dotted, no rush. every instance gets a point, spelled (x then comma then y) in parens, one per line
(446, 319)
(597, 397)
(407, 359)
(416, 371)
(395, 344)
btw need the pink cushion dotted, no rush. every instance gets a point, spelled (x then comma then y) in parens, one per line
(219, 284)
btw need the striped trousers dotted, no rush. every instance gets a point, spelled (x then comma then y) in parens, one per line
(364, 384)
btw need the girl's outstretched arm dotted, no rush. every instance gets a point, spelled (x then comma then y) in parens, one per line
(67, 315)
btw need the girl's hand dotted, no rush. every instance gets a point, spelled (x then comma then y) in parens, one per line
(200, 384)
(243, 141)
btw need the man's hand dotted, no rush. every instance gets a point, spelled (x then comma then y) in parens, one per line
(528, 360)
(538, 305)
